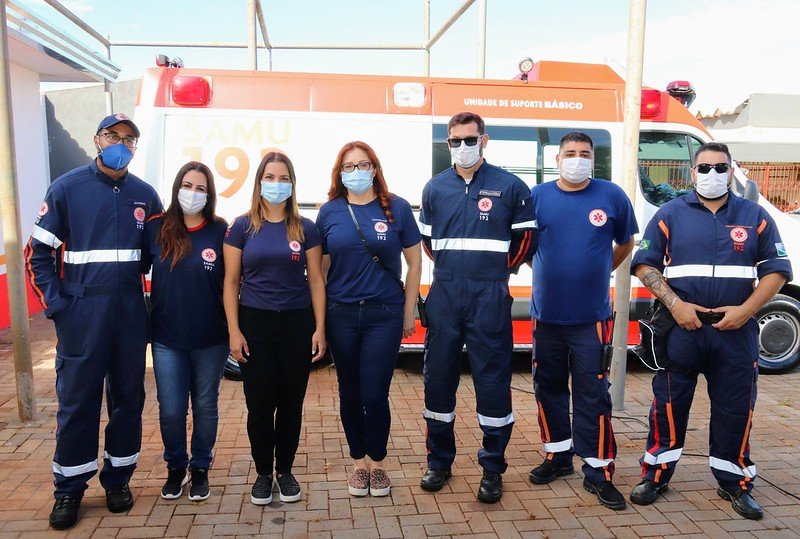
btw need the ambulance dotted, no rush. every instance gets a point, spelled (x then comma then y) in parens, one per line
(230, 119)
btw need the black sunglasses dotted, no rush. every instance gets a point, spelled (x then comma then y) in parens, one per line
(456, 142)
(705, 168)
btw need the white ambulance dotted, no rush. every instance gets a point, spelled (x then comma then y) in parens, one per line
(229, 119)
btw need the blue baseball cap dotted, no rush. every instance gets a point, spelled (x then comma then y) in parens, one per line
(115, 119)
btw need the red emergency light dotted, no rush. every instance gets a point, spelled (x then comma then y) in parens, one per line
(190, 91)
(651, 103)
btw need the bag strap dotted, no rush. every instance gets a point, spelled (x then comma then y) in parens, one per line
(372, 254)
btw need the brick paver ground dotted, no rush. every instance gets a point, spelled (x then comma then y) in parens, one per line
(561, 509)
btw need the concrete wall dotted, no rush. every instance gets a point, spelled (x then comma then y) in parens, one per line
(72, 118)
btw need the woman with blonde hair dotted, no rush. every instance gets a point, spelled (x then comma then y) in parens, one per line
(274, 296)
(365, 230)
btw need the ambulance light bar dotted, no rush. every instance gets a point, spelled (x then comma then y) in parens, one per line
(190, 91)
(683, 91)
(651, 103)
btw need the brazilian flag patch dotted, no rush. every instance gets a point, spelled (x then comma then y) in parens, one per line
(781, 249)
(644, 245)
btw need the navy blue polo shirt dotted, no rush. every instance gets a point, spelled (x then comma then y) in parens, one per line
(273, 267)
(353, 275)
(471, 224)
(712, 260)
(187, 300)
(572, 267)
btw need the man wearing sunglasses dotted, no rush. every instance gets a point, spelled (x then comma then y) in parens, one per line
(477, 225)
(83, 264)
(700, 257)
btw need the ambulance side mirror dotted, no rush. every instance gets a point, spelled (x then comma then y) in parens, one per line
(750, 191)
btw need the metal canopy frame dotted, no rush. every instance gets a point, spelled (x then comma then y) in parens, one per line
(256, 21)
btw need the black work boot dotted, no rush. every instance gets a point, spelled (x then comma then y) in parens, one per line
(119, 499)
(491, 488)
(65, 511)
(548, 471)
(743, 503)
(646, 492)
(434, 479)
(607, 493)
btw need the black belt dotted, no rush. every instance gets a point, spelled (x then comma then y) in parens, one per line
(710, 318)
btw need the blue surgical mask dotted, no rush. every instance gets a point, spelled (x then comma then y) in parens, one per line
(357, 182)
(276, 192)
(116, 156)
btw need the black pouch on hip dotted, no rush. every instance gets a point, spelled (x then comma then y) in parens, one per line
(423, 315)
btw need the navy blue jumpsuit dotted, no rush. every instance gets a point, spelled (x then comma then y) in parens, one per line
(83, 263)
(477, 233)
(711, 260)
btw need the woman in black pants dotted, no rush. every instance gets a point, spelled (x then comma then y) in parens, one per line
(276, 319)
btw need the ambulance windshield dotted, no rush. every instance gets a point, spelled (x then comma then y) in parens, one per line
(665, 163)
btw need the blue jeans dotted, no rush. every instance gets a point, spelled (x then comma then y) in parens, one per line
(179, 375)
(364, 340)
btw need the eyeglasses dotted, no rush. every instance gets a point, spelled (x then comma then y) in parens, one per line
(705, 168)
(114, 138)
(456, 142)
(361, 165)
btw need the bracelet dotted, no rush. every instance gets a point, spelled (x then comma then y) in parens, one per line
(672, 304)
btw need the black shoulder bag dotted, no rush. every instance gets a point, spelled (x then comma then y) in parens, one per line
(423, 318)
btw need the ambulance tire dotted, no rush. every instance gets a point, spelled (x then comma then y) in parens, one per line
(779, 334)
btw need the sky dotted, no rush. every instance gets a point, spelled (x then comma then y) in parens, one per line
(728, 49)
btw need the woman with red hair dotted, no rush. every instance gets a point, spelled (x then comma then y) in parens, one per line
(365, 229)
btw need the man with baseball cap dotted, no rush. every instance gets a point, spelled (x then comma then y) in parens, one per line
(83, 264)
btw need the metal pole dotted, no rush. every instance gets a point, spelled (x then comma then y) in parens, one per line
(108, 88)
(426, 25)
(630, 159)
(448, 24)
(12, 234)
(264, 34)
(252, 36)
(481, 39)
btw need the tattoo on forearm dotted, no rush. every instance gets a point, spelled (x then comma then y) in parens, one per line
(655, 281)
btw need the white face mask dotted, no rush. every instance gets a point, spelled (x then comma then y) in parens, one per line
(712, 185)
(576, 169)
(192, 202)
(466, 156)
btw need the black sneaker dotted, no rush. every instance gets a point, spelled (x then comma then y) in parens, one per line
(607, 493)
(548, 471)
(262, 490)
(119, 499)
(434, 479)
(288, 488)
(491, 489)
(65, 511)
(173, 487)
(199, 490)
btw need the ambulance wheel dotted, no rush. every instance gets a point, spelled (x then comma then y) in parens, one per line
(232, 369)
(779, 334)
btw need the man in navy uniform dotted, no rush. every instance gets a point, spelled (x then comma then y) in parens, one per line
(83, 263)
(580, 219)
(700, 257)
(478, 226)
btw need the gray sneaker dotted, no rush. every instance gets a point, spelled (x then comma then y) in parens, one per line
(262, 490)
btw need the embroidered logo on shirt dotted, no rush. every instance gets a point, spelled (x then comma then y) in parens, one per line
(781, 249)
(485, 204)
(489, 193)
(295, 247)
(381, 227)
(739, 236)
(138, 213)
(598, 217)
(209, 256)
(43, 209)
(644, 245)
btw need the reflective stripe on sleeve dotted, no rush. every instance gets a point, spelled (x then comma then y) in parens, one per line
(72, 471)
(526, 224)
(118, 462)
(424, 229)
(667, 456)
(46, 237)
(444, 418)
(470, 244)
(102, 255)
(728, 466)
(703, 270)
(487, 421)
(558, 447)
